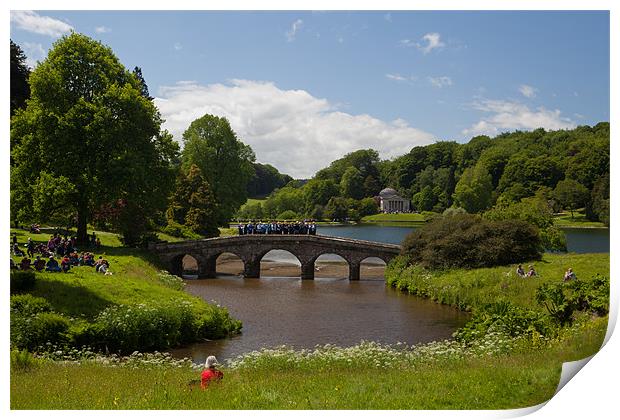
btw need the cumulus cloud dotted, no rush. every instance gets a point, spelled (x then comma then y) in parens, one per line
(44, 25)
(528, 91)
(509, 115)
(290, 34)
(102, 29)
(34, 53)
(440, 81)
(432, 41)
(290, 129)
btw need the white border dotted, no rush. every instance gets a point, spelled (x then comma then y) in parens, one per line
(591, 395)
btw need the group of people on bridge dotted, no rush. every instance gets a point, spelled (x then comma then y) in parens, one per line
(307, 227)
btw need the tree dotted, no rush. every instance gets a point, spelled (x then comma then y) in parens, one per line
(265, 179)
(87, 123)
(352, 183)
(20, 90)
(474, 190)
(571, 194)
(144, 89)
(193, 204)
(318, 192)
(225, 162)
(598, 206)
(336, 209)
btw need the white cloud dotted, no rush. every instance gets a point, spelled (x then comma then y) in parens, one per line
(528, 91)
(407, 43)
(433, 41)
(44, 25)
(440, 81)
(34, 53)
(290, 129)
(178, 46)
(510, 115)
(290, 34)
(400, 78)
(102, 29)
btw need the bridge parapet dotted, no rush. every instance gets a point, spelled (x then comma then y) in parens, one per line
(251, 249)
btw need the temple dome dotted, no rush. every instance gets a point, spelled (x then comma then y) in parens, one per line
(388, 192)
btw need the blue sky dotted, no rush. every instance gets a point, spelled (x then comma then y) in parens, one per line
(304, 88)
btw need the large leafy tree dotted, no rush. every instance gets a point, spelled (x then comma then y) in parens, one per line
(88, 127)
(571, 194)
(352, 183)
(20, 90)
(225, 162)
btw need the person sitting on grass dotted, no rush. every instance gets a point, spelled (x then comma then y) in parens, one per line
(30, 247)
(211, 373)
(52, 265)
(25, 264)
(569, 275)
(16, 251)
(65, 264)
(74, 259)
(520, 271)
(531, 272)
(39, 264)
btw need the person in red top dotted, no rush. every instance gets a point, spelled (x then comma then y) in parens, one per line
(211, 373)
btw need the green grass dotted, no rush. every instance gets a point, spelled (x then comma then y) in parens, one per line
(84, 293)
(579, 220)
(399, 217)
(467, 289)
(494, 382)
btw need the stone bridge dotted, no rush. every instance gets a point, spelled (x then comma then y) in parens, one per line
(251, 249)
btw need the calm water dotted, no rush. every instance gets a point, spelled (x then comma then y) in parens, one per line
(578, 240)
(303, 313)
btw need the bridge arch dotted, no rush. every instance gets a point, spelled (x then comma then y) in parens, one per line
(180, 263)
(292, 272)
(226, 262)
(372, 267)
(325, 263)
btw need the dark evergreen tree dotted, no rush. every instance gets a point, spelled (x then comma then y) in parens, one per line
(20, 90)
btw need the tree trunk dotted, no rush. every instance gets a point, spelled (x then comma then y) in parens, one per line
(82, 220)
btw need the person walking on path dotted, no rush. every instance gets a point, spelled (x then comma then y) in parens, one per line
(211, 373)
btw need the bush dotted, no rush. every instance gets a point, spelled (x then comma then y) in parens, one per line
(33, 331)
(505, 318)
(180, 231)
(287, 215)
(22, 281)
(170, 280)
(468, 241)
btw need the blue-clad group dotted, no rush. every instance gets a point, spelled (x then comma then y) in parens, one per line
(307, 227)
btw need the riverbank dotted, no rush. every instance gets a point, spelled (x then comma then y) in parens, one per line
(84, 307)
(359, 378)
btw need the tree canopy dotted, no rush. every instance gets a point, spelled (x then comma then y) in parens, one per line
(20, 90)
(225, 162)
(88, 128)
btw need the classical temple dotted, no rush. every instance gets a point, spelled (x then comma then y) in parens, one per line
(391, 202)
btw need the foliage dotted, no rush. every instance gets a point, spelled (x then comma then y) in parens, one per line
(20, 90)
(265, 179)
(562, 299)
(30, 330)
(87, 124)
(336, 209)
(473, 192)
(464, 240)
(23, 360)
(193, 204)
(571, 194)
(535, 211)
(170, 280)
(352, 183)
(27, 304)
(224, 161)
(22, 281)
(180, 231)
(287, 215)
(597, 207)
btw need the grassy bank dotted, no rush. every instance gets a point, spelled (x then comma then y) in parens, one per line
(467, 289)
(578, 220)
(518, 379)
(90, 302)
(398, 217)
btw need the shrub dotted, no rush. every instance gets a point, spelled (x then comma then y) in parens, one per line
(22, 281)
(468, 241)
(36, 330)
(170, 280)
(287, 215)
(180, 231)
(505, 318)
